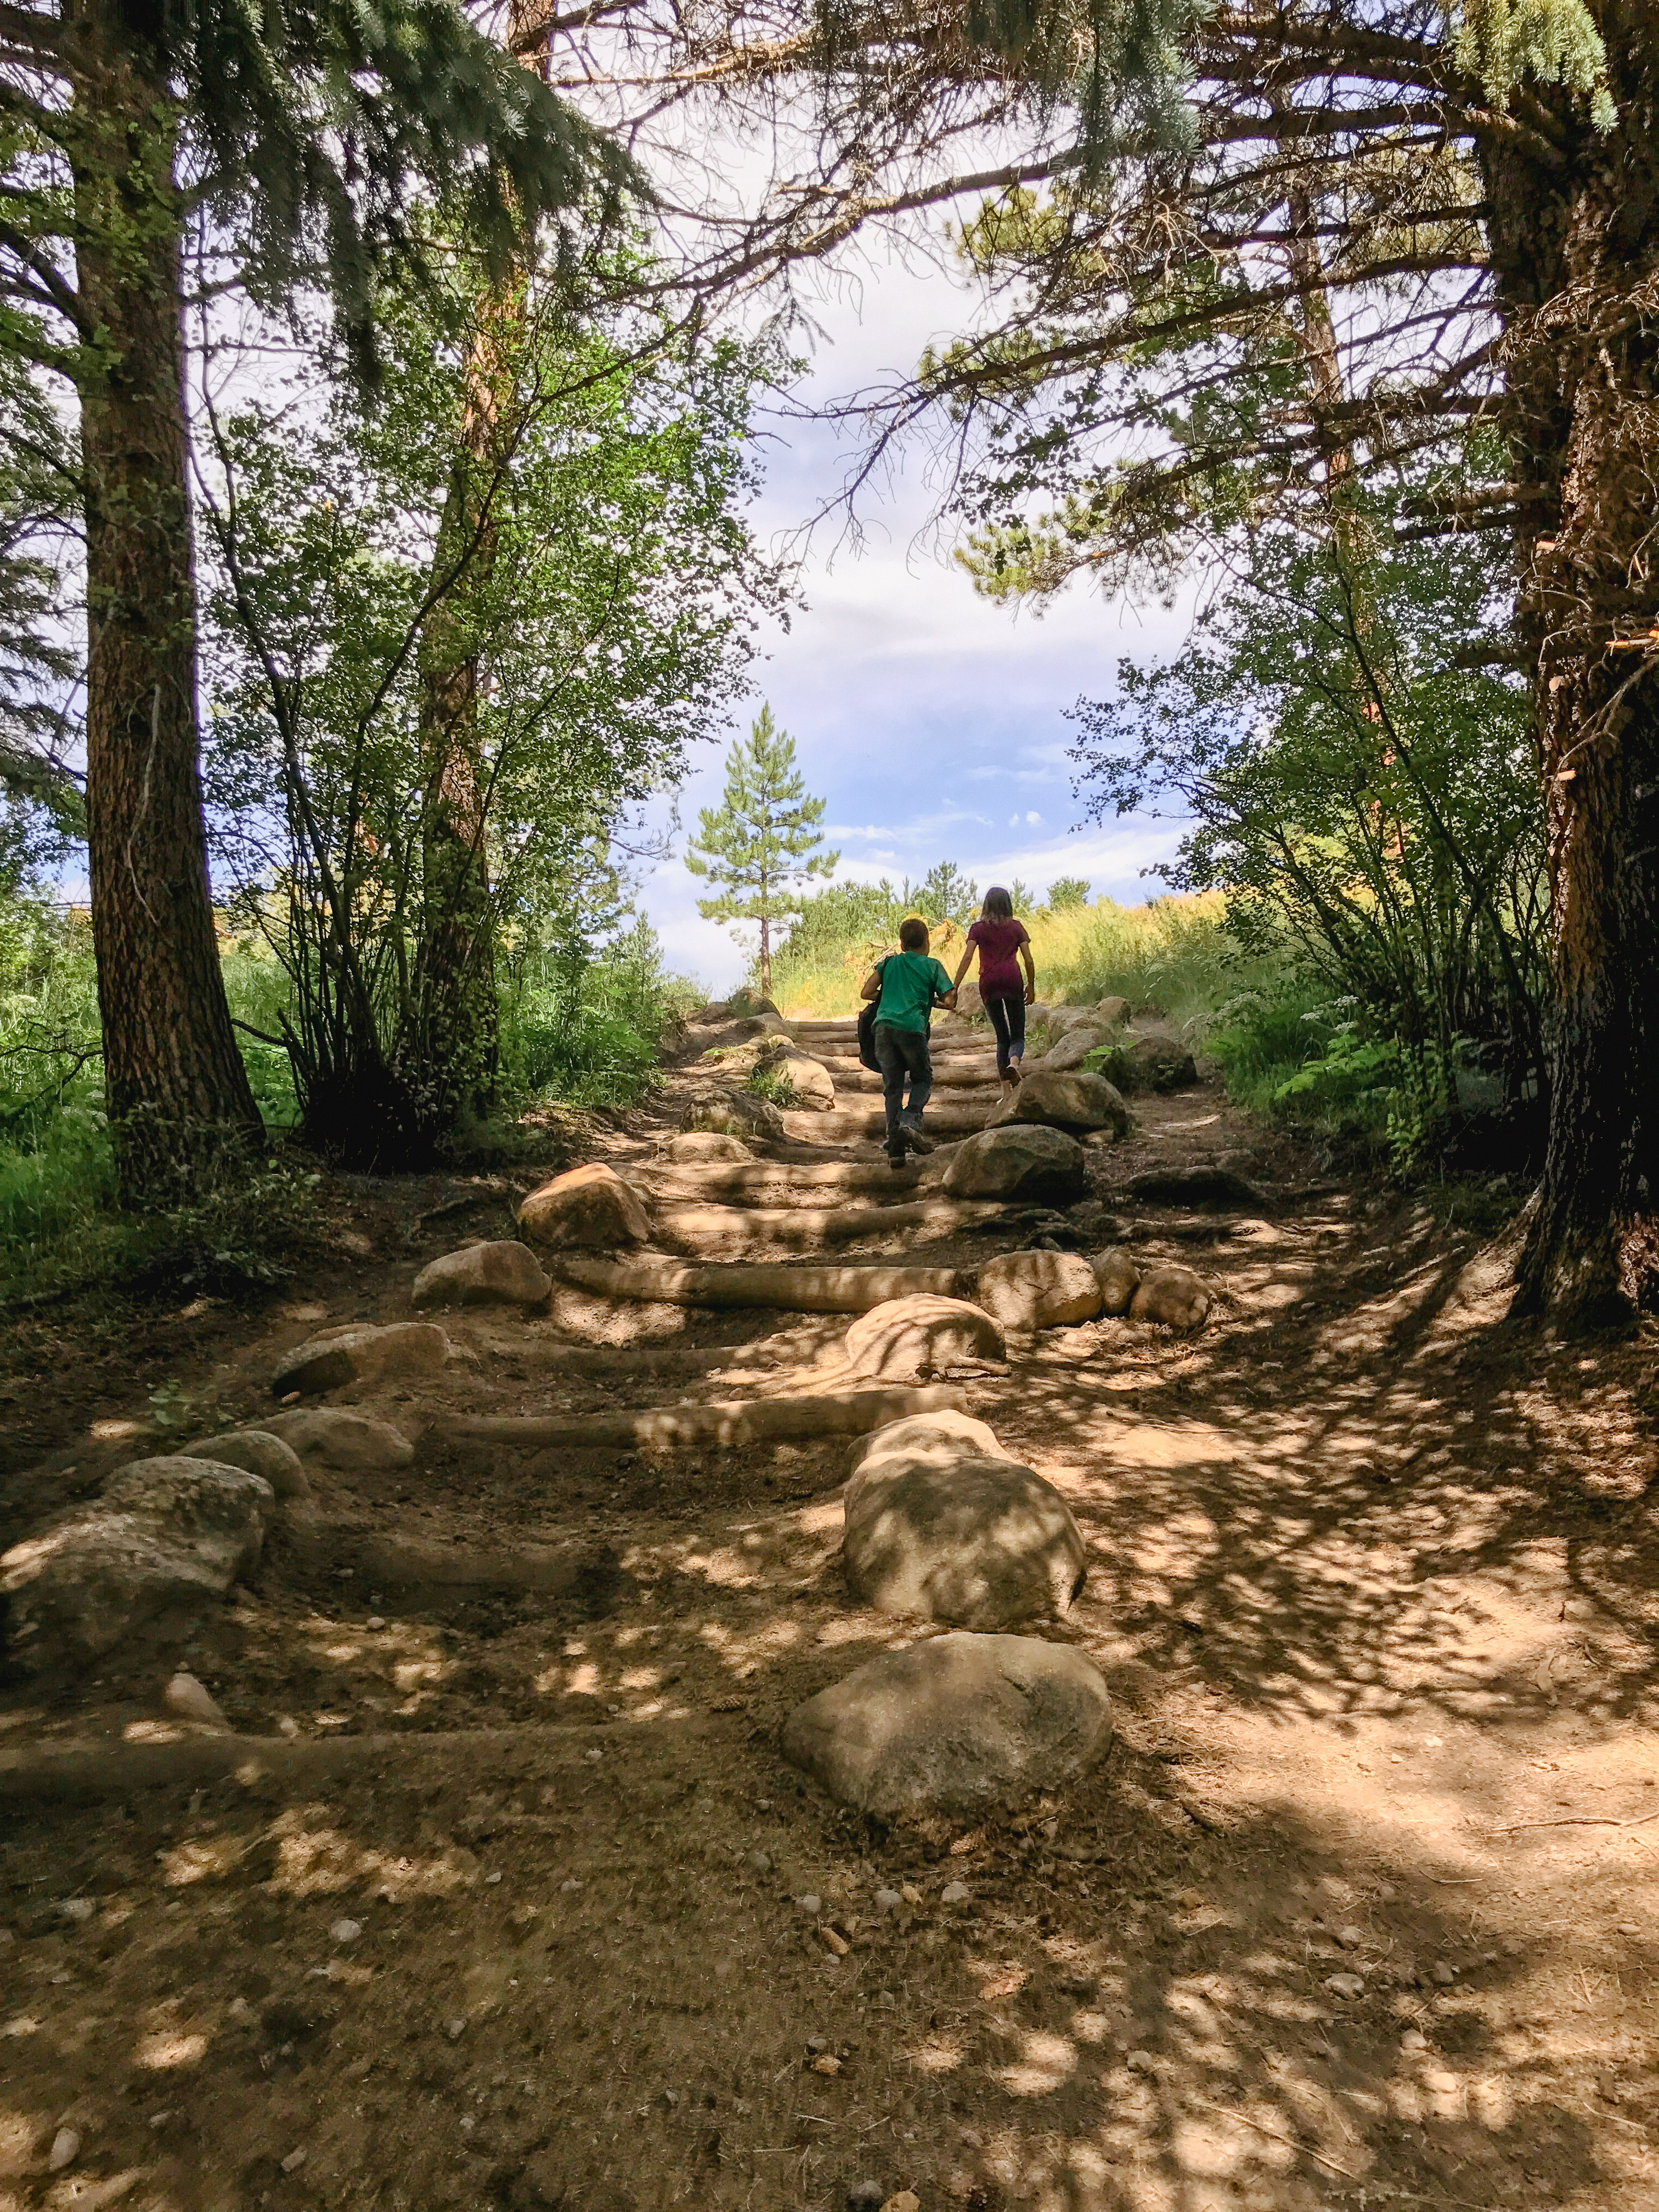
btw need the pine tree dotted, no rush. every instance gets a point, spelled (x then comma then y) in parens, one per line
(761, 845)
(300, 138)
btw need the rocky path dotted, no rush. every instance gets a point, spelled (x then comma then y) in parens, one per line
(511, 1867)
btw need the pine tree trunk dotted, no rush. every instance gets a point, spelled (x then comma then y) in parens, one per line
(1576, 250)
(766, 957)
(177, 1091)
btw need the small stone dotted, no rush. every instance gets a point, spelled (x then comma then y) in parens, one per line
(910, 1893)
(293, 2161)
(759, 1862)
(671, 2098)
(1142, 2062)
(345, 1931)
(65, 2150)
(1444, 1974)
(954, 1892)
(1345, 1986)
(239, 2010)
(810, 1905)
(492, 1878)
(187, 1697)
(906, 2200)
(288, 1726)
(569, 1883)
(79, 1909)
(865, 2197)
(888, 1900)
(375, 1620)
(1628, 1928)
(818, 2043)
(826, 2063)
(1414, 2039)
(835, 1944)
(455, 2028)
(1439, 2079)
(595, 1754)
(1350, 1938)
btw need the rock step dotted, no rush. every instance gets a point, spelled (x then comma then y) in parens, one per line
(662, 1179)
(961, 1116)
(979, 1073)
(806, 1225)
(852, 1287)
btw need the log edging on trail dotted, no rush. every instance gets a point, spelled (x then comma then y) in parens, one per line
(109, 1770)
(847, 1289)
(397, 1562)
(841, 1224)
(767, 1420)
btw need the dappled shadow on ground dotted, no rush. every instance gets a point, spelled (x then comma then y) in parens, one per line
(588, 1980)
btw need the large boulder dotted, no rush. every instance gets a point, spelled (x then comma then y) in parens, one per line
(165, 1533)
(586, 1209)
(1075, 1048)
(1118, 1277)
(1019, 1160)
(744, 1003)
(361, 1354)
(734, 1113)
(904, 1338)
(697, 1146)
(258, 1451)
(1175, 1296)
(1028, 1290)
(1062, 1020)
(1158, 1063)
(957, 1723)
(506, 1274)
(984, 1543)
(940, 1438)
(809, 1079)
(1067, 1099)
(340, 1437)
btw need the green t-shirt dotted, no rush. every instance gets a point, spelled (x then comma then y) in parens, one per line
(910, 982)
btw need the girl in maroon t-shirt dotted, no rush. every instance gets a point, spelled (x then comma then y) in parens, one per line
(1003, 947)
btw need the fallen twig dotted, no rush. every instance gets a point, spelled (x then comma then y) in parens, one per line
(1576, 1821)
(1273, 2135)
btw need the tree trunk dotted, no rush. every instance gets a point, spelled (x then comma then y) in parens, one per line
(178, 1093)
(1576, 254)
(766, 957)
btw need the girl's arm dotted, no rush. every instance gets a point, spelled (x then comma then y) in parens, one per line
(1031, 972)
(967, 961)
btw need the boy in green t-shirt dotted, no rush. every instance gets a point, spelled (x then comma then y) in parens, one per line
(908, 984)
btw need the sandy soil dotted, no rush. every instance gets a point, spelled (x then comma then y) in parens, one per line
(1373, 1581)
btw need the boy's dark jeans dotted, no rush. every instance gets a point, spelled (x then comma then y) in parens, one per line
(902, 1053)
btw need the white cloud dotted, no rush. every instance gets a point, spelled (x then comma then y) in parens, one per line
(908, 695)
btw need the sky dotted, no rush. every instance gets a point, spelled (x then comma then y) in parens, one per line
(931, 722)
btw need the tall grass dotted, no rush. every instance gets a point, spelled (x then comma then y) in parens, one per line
(1174, 956)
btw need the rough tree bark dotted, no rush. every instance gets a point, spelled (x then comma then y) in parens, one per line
(177, 1091)
(1575, 240)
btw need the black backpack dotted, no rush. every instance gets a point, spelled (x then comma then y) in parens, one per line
(867, 1036)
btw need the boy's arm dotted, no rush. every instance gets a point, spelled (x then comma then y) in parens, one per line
(871, 987)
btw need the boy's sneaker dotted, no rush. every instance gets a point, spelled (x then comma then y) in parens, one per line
(917, 1142)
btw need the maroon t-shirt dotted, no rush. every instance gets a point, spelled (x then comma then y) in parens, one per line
(998, 944)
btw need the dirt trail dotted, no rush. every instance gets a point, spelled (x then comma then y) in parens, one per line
(1372, 1581)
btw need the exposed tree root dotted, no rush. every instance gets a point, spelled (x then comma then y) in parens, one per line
(811, 1226)
(110, 1770)
(853, 1288)
(770, 1420)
